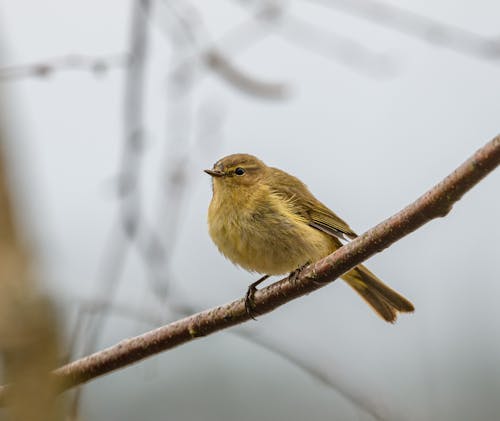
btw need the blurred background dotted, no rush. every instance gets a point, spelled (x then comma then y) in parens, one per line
(114, 109)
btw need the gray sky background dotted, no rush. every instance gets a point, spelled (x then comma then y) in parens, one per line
(366, 140)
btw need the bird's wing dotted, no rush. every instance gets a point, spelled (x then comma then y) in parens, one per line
(308, 207)
(331, 224)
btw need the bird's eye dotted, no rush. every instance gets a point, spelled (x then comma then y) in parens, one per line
(239, 171)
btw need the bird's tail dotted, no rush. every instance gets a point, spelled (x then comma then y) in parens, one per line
(385, 301)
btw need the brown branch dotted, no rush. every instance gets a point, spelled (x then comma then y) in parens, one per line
(437, 202)
(364, 403)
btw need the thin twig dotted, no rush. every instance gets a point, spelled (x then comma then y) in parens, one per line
(47, 67)
(339, 48)
(209, 53)
(129, 212)
(130, 205)
(419, 26)
(275, 18)
(236, 77)
(435, 203)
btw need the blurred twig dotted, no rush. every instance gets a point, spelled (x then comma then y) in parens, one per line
(435, 203)
(129, 210)
(277, 19)
(130, 203)
(47, 67)
(236, 77)
(337, 47)
(209, 53)
(427, 29)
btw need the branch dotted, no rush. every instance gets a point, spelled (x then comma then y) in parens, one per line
(338, 47)
(195, 33)
(129, 211)
(332, 381)
(437, 202)
(47, 67)
(237, 78)
(427, 29)
(333, 46)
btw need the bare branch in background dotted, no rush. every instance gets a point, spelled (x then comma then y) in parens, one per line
(132, 151)
(335, 46)
(130, 202)
(275, 18)
(133, 132)
(223, 67)
(338, 48)
(47, 67)
(209, 53)
(361, 401)
(427, 29)
(435, 203)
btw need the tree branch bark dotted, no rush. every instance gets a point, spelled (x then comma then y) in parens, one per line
(437, 202)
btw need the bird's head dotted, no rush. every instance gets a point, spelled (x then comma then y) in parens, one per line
(237, 171)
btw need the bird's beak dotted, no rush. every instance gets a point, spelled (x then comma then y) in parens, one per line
(214, 173)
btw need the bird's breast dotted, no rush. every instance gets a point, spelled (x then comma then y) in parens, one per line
(265, 236)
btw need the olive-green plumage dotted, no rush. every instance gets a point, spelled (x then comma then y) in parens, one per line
(267, 221)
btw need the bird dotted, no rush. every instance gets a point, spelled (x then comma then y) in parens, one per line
(267, 221)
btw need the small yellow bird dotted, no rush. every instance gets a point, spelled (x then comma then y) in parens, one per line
(267, 221)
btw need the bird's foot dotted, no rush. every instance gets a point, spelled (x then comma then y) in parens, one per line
(249, 301)
(294, 275)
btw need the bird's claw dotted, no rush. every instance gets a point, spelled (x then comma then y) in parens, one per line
(294, 275)
(249, 302)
